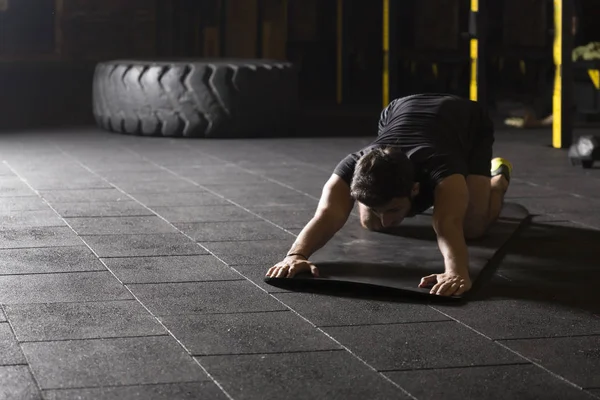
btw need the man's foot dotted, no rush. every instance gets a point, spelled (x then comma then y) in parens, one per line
(501, 173)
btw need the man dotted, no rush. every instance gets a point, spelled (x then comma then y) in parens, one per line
(431, 150)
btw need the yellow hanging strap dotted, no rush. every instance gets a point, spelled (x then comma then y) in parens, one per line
(474, 57)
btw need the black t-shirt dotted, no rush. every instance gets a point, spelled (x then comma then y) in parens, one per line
(435, 131)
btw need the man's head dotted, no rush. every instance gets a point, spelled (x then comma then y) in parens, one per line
(383, 181)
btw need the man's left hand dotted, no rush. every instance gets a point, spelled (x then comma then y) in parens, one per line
(446, 284)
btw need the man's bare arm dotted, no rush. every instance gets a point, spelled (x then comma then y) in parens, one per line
(331, 215)
(450, 207)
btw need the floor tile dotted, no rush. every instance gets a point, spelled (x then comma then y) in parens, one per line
(38, 237)
(314, 189)
(172, 391)
(587, 219)
(227, 177)
(167, 186)
(120, 225)
(2, 316)
(170, 269)
(121, 165)
(515, 319)
(90, 320)
(562, 204)
(289, 201)
(267, 252)
(78, 182)
(490, 383)
(83, 195)
(17, 383)
(214, 213)
(5, 170)
(179, 199)
(110, 362)
(30, 219)
(204, 169)
(124, 208)
(11, 186)
(574, 182)
(140, 176)
(255, 193)
(421, 345)
(247, 333)
(334, 375)
(204, 232)
(288, 218)
(8, 205)
(166, 244)
(204, 297)
(519, 190)
(323, 310)
(10, 352)
(29, 161)
(291, 173)
(576, 359)
(48, 259)
(594, 392)
(65, 287)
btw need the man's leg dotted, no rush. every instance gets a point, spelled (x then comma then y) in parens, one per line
(486, 197)
(487, 182)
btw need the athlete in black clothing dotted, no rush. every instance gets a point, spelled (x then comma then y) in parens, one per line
(432, 150)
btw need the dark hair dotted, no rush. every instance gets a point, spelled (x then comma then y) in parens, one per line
(380, 175)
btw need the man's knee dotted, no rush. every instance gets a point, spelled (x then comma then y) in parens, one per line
(475, 227)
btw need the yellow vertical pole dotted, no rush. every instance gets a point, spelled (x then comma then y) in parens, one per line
(557, 96)
(562, 98)
(340, 52)
(386, 53)
(474, 57)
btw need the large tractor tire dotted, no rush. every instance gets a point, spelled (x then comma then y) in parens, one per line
(198, 98)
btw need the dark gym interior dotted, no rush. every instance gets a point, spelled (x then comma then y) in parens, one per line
(157, 157)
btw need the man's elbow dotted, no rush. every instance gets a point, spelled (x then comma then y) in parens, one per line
(333, 217)
(448, 225)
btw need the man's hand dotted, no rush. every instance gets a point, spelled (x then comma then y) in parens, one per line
(446, 284)
(290, 267)
(335, 206)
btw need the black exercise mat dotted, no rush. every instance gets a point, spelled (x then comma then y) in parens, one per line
(360, 262)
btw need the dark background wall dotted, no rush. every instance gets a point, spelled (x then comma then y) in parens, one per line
(48, 48)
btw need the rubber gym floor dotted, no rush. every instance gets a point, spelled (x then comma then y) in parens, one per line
(132, 268)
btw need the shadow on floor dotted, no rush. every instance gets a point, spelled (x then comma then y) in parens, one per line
(555, 262)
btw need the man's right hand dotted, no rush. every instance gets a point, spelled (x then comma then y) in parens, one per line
(290, 267)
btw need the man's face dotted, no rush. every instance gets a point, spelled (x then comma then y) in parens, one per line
(393, 213)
